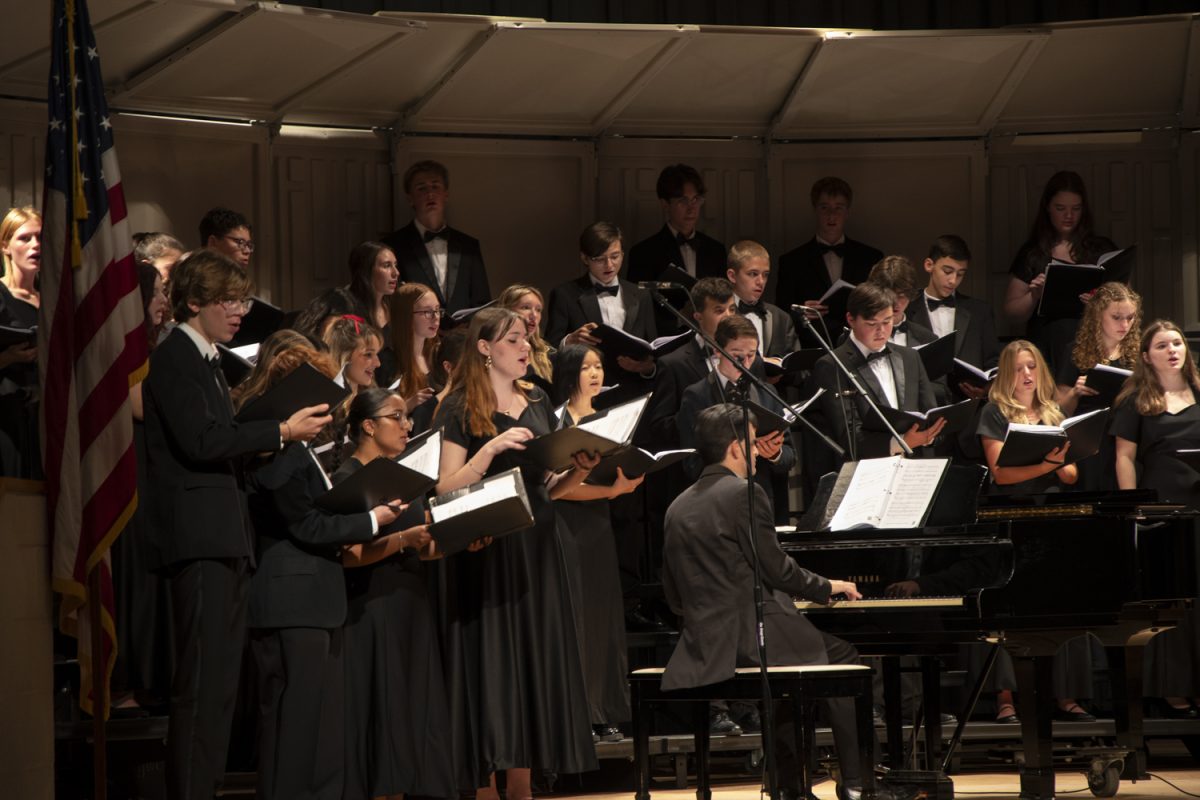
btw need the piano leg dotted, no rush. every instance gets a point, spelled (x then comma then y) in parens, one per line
(1035, 703)
(1125, 666)
(931, 691)
(893, 720)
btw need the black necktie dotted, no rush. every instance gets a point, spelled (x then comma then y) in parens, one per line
(681, 240)
(879, 354)
(837, 249)
(431, 235)
(600, 289)
(752, 308)
(934, 305)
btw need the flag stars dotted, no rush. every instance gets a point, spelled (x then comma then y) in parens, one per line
(92, 54)
(56, 125)
(104, 123)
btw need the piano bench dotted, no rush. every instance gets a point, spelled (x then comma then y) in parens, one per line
(802, 685)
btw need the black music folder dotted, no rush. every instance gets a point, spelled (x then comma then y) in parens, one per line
(769, 421)
(602, 433)
(964, 372)
(13, 337)
(1107, 381)
(937, 356)
(302, 388)
(634, 462)
(260, 321)
(795, 361)
(495, 506)
(958, 416)
(380, 481)
(616, 342)
(1065, 282)
(1026, 445)
(237, 362)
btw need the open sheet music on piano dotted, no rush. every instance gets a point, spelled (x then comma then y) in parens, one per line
(894, 492)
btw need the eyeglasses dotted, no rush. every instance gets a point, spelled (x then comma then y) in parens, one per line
(245, 245)
(612, 258)
(430, 313)
(397, 416)
(691, 201)
(238, 306)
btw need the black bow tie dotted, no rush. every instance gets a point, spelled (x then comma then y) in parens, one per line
(600, 289)
(879, 354)
(934, 305)
(214, 362)
(431, 235)
(681, 240)
(901, 328)
(837, 249)
(752, 308)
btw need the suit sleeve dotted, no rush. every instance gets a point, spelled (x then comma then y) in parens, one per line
(558, 323)
(989, 344)
(294, 498)
(925, 393)
(480, 292)
(193, 426)
(685, 422)
(779, 570)
(660, 412)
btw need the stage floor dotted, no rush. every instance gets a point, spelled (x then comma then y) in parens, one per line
(976, 786)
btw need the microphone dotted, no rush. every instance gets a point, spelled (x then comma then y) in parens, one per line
(807, 311)
(660, 285)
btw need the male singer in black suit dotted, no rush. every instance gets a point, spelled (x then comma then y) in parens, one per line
(897, 274)
(577, 307)
(708, 578)
(807, 272)
(202, 535)
(894, 376)
(776, 455)
(429, 251)
(749, 269)
(942, 308)
(297, 609)
(681, 193)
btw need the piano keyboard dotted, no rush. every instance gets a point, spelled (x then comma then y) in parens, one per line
(893, 603)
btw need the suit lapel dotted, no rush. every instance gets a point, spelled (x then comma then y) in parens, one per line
(453, 257)
(901, 385)
(589, 303)
(674, 253)
(631, 301)
(768, 331)
(417, 248)
(962, 318)
(855, 361)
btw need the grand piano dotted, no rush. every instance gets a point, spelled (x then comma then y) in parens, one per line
(1032, 572)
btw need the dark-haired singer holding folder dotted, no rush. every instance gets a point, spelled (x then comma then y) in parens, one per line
(202, 533)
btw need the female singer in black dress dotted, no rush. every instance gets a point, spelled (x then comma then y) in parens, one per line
(297, 606)
(1023, 393)
(355, 346)
(1158, 414)
(418, 316)
(596, 585)
(1062, 230)
(527, 301)
(397, 718)
(1109, 335)
(518, 698)
(21, 258)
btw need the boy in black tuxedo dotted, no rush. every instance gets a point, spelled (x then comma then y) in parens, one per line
(229, 233)
(897, 274)
(681, 193)
(942, 308)
(749, 269)
(894, 375)
(807, 272)
(202, 535)
(577, 307)
(429, 251)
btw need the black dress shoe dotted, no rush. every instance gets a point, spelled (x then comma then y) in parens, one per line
(606, 733)
(1007, 719)
(637, 622)
(720, 723)
(1075, 713)
(947, 719)
(749, 721)
(881, 792)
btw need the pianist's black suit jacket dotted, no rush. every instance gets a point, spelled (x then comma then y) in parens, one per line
(300, 579)
(803, 276)
(194, 448)
(466, 278)
(914, 391)
(709, 582)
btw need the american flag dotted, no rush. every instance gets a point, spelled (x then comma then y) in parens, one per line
(92, 344)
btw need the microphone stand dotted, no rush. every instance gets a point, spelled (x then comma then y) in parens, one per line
(768, 710)
(850, 376)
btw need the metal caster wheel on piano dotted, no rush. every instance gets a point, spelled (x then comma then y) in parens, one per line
(1104, 776)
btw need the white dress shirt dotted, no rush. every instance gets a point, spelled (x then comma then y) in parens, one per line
(439, 253)
(882, 367)
(833, 262)
(687, 251)
(941, 319)
(612, 310)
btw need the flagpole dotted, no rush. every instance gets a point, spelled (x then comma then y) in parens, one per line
(99, 689)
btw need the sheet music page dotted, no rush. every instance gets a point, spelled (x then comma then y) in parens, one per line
(249, 352)
(916, 483)
(426, 458)
(618, 424)
(501, 487)
(867, 494)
